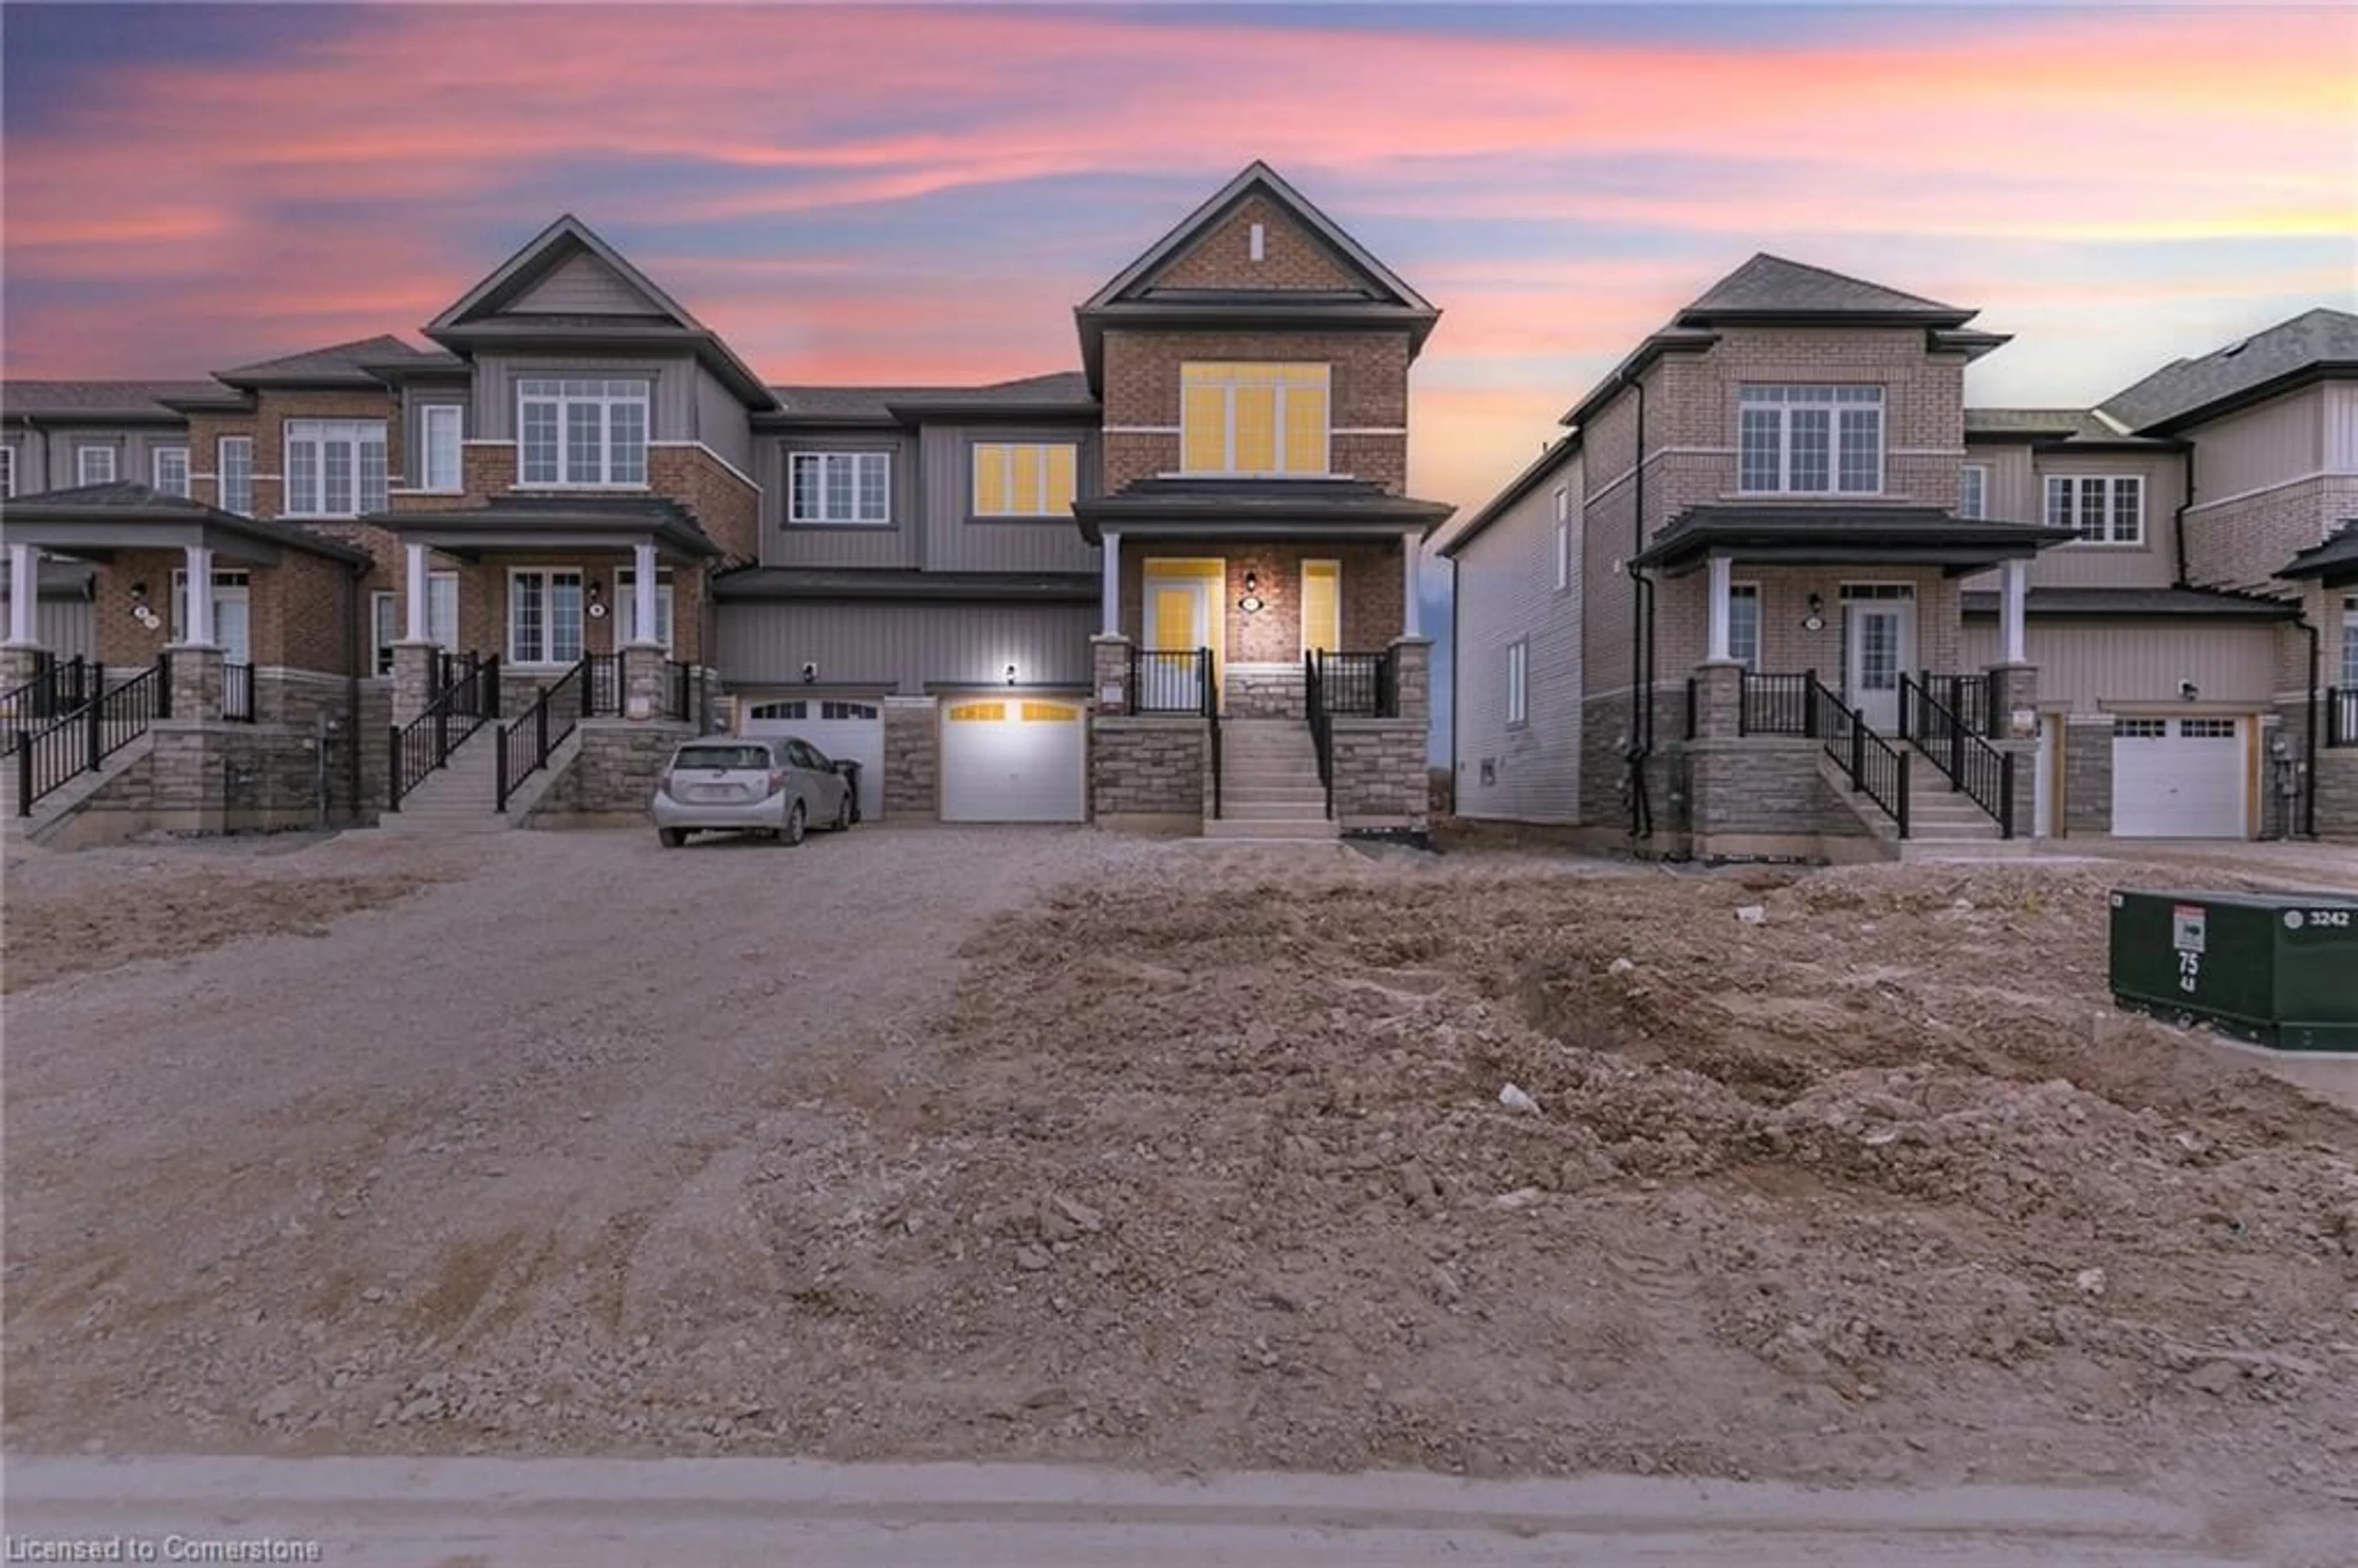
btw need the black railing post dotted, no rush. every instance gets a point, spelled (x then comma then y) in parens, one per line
(500, 769)
(393, 768)
(95, 741)
(2005, 795)
(25, 775)
(1901, 809)
(1810, 703)
(1857, 751)
(2333, 716)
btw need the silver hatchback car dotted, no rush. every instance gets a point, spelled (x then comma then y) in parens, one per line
(780, 786)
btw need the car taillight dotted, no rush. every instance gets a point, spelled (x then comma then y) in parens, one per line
(777, 780)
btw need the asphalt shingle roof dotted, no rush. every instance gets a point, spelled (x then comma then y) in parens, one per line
(1772, 284)
(99, 398)
(2314, 336)
(340, 361)
(877, 402)
(2136, 601)
(135, 502)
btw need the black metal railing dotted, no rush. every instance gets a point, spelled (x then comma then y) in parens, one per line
(1694, 709)
(2342, 716)
(81, 740)
(1978, 699)
(526, 746)
(1170, 680)
(687, 695)
(1874, 767)
(1357, 686)
(57, 688)
(1322, 730)
(1972, 766)
(601, 691)
(469, 696)
(1212, 738)
(237, 693)
(1775, 704)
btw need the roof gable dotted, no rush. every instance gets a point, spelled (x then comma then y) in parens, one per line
(2314, 340)
(1209, 251)
(545, 278)
(1771, 285)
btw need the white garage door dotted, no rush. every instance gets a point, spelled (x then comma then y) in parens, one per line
(2179, 778)
(840, 729)
(1010, 759)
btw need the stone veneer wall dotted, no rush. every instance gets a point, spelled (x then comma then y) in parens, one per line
(1766, 786)
(913, 758)
(1148, 767)
(1380, 780)
(1261, 691)
(2087, 774)
(2337, 793)
(614, 774)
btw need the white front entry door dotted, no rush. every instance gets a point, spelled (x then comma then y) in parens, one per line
(1013, 759)
(847, 728)
(2180, 778)
(1881, 636)
(232, 625)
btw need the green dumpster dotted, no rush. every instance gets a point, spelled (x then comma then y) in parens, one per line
(2277, 967)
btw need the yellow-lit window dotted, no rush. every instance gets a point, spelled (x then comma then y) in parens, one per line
(1321, 606)
(1023, 478)
(1261, 419)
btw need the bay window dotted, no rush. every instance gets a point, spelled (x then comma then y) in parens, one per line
(543, 616)
(582, 433)
(1810, 441)
(235, 470)
(1257, 419)
(841, 489)
(335, 467)
(2102, 509)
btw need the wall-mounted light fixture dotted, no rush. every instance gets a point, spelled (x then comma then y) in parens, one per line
(1815, 620)
(1252, 601)
(597, 601)
(2189, 691)
(141, 611)
(1011, 675)
(810, 674)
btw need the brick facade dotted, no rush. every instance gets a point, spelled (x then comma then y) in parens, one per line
(1369, 390)
(1373, 586)
(1291, 256)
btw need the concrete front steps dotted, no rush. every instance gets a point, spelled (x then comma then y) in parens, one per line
(1944, 824)
(456, 797)
(1269, 784)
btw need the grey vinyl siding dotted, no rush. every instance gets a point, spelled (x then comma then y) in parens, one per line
(721, 422)
(2341, 438)
(905, 646)
(583, 287)
(32, 464)
(956, 541)
(2012, 494)
(671, 414)
(2090, 664)
(66, 627)
(415, 400)
(1507, 594)
(2282, 439)
(2153, 563)
(134, 448)
(802, 544)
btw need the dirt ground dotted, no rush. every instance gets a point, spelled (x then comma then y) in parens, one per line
(1008, 1144)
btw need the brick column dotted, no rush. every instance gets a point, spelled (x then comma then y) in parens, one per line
(1110, 674)
(413, 678)
(1719, 701)
(645, 668)
(196, 681)
(2018, 737)
(1413, 677)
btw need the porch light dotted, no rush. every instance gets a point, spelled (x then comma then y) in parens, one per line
(1252, 602)
(1011, 675)
(1816, 618)
(597, 595)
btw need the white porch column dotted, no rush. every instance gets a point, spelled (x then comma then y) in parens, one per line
(643, 626)
(24, 592)
(1112, 595)
(1722, 595)
(2011, 596)
(1411, 618)
(197, 625)
(414, 590)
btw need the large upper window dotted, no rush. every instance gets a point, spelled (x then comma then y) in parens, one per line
(93, 465)
(171, 470)
(437, 463)
(1260, 419)
(1024, 479)
(335, 467)
(1811, 440)
(1972, 490)
(582, 432)
(852, 489)
(543, 616)
(235, 471)
(2102, 509)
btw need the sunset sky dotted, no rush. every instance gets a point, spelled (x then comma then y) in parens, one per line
(868, 194)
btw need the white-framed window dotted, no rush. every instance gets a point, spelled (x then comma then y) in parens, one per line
(1024, 479)
(335, 467)
(234, 464)
(1267, 419)
(169, 467)
(439, 429)
(839, 489)
(626, 606)
(2104, 509)
(1563, 537)
(7, 471)
(1519, 682)
(2350, 643)
(1810, 441)
(1972, 490)
(391, 621)
(582, 433)
(543, 616)
(93, 465)
(1743, 624)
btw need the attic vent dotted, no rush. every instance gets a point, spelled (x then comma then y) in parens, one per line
(1259, 242)
(2231, 350)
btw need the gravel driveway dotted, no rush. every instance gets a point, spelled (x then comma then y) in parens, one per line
(484, 1077)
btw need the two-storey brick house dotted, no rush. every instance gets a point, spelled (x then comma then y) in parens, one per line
(580, 505)
(1780, 591)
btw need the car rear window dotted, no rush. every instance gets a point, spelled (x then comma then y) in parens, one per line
(738, 757)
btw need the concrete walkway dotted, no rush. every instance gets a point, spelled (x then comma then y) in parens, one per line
(491, 1513)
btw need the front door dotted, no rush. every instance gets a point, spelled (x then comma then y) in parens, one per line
(1881, 635)
(232, 625)
(1181, 609)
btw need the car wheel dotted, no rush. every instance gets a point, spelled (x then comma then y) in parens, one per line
(673, 838)
(844, 817)
(796, 824)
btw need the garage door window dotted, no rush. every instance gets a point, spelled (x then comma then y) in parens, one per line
(2140, 728)
(2207, 728)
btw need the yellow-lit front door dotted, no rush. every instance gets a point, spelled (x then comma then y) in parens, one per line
(1182, 614)
(1321, 606)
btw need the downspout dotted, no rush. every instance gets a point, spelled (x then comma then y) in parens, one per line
(1641, 639)
(352, 655)
(1457, 686)
(2185, 504)
(2309, 736)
